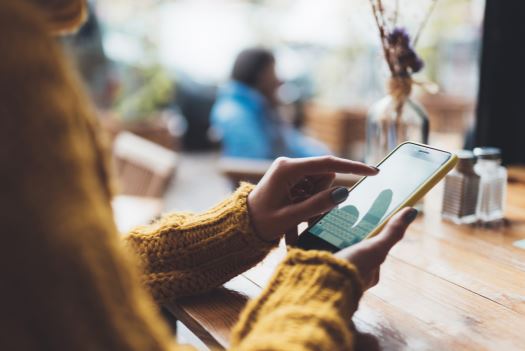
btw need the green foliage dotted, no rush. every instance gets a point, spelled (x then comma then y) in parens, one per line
(149, 91)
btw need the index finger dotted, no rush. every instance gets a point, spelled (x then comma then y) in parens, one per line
(301, 167)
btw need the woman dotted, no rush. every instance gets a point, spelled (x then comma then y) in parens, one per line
(246, 118)
(69, 281)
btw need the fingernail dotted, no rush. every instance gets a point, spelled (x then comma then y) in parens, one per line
(339, 195)
(411, 215)
(374, 167)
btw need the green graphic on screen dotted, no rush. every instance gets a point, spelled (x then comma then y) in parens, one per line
(339, 226)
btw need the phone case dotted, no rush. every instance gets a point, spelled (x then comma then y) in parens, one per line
(422, 190)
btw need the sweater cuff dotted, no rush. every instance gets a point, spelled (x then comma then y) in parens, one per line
(312, 281)
(318, 271)
(245, 225)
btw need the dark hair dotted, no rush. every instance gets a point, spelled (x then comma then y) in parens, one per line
(250, 63)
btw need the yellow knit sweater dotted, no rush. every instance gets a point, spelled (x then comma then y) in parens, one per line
(68, 281)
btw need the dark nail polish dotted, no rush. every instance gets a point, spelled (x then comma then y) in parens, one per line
(411, 215)
(374, 167)
(339, 195)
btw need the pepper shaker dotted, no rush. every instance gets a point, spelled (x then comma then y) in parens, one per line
(461, 191)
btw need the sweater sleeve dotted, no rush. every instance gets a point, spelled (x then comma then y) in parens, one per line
(307, 305)
(185, 254)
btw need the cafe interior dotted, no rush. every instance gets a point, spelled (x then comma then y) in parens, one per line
(171, 86)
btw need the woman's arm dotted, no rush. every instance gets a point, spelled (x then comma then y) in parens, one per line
(185, 254)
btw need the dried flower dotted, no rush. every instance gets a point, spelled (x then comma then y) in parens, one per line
(398, 49)
(399, 36)
(404, 58)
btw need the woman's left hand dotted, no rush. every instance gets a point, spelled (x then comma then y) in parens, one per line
(295, 190)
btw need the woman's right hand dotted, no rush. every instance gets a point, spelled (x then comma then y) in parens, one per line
(295, 190)
(368, 255)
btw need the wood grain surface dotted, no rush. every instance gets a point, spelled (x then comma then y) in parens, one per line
(443, 287)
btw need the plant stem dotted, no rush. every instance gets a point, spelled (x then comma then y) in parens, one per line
(424, 23)
(380, 26)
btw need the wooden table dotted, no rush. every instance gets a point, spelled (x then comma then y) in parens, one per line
(443, 287)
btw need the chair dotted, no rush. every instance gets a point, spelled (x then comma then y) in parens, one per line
(341, 129)
(143, 167)
(448, 114)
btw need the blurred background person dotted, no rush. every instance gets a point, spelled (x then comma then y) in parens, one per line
(246, 115)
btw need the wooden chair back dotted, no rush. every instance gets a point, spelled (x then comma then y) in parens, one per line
(143, 168)
(343, 130)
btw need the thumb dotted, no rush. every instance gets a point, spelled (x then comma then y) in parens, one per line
(392, 233)
(315, 205)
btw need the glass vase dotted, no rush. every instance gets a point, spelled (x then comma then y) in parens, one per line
(391, 122)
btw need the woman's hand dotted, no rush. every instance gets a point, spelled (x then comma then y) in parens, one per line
(295, 190)
(368, 255)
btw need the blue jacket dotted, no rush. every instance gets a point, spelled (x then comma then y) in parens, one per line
(250, 128)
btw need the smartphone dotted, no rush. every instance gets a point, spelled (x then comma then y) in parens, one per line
(404, 177)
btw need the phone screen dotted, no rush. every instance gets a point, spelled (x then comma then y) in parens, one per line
(375, 198)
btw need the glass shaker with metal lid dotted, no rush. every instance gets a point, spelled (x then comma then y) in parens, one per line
(461, 191)
(493, 184)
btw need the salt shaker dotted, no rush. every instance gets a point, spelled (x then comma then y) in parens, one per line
(461, 191)
(493, 184)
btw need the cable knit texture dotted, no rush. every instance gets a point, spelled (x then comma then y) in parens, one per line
(184, 254)
(306, 306)
(70, 282)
